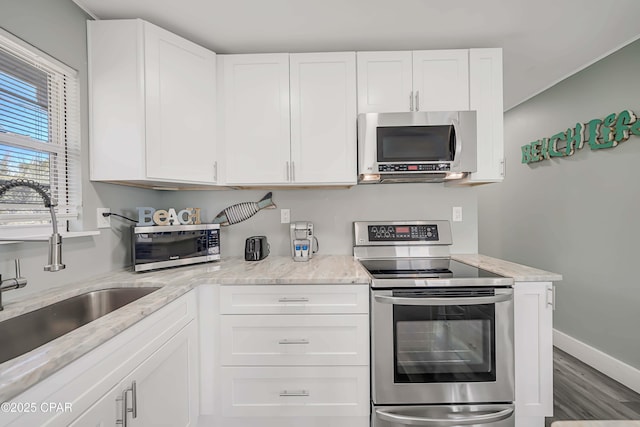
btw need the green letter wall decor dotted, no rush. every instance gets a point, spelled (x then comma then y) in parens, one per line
(605, 133)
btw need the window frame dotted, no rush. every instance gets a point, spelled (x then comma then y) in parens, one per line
(67, 176)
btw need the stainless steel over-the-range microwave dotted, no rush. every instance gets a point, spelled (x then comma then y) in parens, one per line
(165, 246)
(430, 146)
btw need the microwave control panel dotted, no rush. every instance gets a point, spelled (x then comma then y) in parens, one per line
(403, 233)
(211, 242)
(414, 167)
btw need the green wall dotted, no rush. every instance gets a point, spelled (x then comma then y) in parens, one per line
(579, 215)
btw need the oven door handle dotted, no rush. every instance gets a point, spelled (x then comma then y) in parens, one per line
(443, 301)
(444, 422)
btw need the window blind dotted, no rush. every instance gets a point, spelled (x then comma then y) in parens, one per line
(39, 134)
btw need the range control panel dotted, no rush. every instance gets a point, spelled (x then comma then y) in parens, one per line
(403, 233)
(417, 167)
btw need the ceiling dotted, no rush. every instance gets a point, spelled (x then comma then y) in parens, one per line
(543, 41)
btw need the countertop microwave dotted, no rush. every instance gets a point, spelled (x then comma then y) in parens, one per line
(163, 246)
(429, 146)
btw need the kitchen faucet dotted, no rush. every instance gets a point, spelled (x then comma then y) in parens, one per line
(55, 241)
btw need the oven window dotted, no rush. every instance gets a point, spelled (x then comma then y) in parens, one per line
(416, 143)
(445, 343)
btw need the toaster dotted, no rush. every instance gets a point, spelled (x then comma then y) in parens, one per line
(256, 248)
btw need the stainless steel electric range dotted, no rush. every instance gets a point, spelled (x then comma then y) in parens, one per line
(441, 330)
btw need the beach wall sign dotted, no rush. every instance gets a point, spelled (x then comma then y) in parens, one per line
(598, 133)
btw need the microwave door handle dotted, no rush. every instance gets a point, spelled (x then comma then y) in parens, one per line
(457, 146)
(443, 301)
(409, 420)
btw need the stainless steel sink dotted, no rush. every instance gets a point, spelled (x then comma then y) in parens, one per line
(26, 332)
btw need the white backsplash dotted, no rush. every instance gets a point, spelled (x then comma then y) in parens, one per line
(333, 211)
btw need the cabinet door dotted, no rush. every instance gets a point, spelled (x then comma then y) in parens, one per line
(485, 89)
(256, 129)
(533, 332)
(104, 412)
(323, 118)
(385, 82)
(441, 80)
(166, 384)
(180, 86)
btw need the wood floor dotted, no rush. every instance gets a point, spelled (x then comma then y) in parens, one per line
(582, 393)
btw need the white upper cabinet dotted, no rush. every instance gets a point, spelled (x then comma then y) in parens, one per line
(323, 118)
(255, 123)
(485, 76)
(436, 80)
(385, 82)
(288, 119)
(152, 105)
(441, 80)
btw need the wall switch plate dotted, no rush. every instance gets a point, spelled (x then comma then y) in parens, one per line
(285, 216)
(457, 214)
(103, 221)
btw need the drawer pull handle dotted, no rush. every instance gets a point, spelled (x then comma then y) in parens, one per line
(303, 299)
(298, 341)
(294, 393)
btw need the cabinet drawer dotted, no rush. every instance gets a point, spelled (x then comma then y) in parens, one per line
(295, 391)
(294, 299)
(295, 340)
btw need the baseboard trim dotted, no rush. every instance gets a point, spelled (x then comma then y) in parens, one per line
(614, 368)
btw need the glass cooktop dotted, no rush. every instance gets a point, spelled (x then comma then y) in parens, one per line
(424, 267)
(404, 272)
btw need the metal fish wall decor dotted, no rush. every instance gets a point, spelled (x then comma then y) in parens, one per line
(243, 211)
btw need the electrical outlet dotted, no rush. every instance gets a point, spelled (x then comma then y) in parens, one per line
(101, 220)
(285, 216)
(457, 214)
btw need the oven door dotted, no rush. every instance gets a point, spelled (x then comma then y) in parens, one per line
(442, 345)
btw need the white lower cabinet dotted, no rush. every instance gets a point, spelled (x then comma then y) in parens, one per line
(533, 332)
(288, 299)
(295, 355)
(160, 392)
(313, 391)
(152, 363)
(102, 413)
(283, 340)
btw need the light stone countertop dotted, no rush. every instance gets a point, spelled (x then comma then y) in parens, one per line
(519, 272)
(20, 373)
(622, 423)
